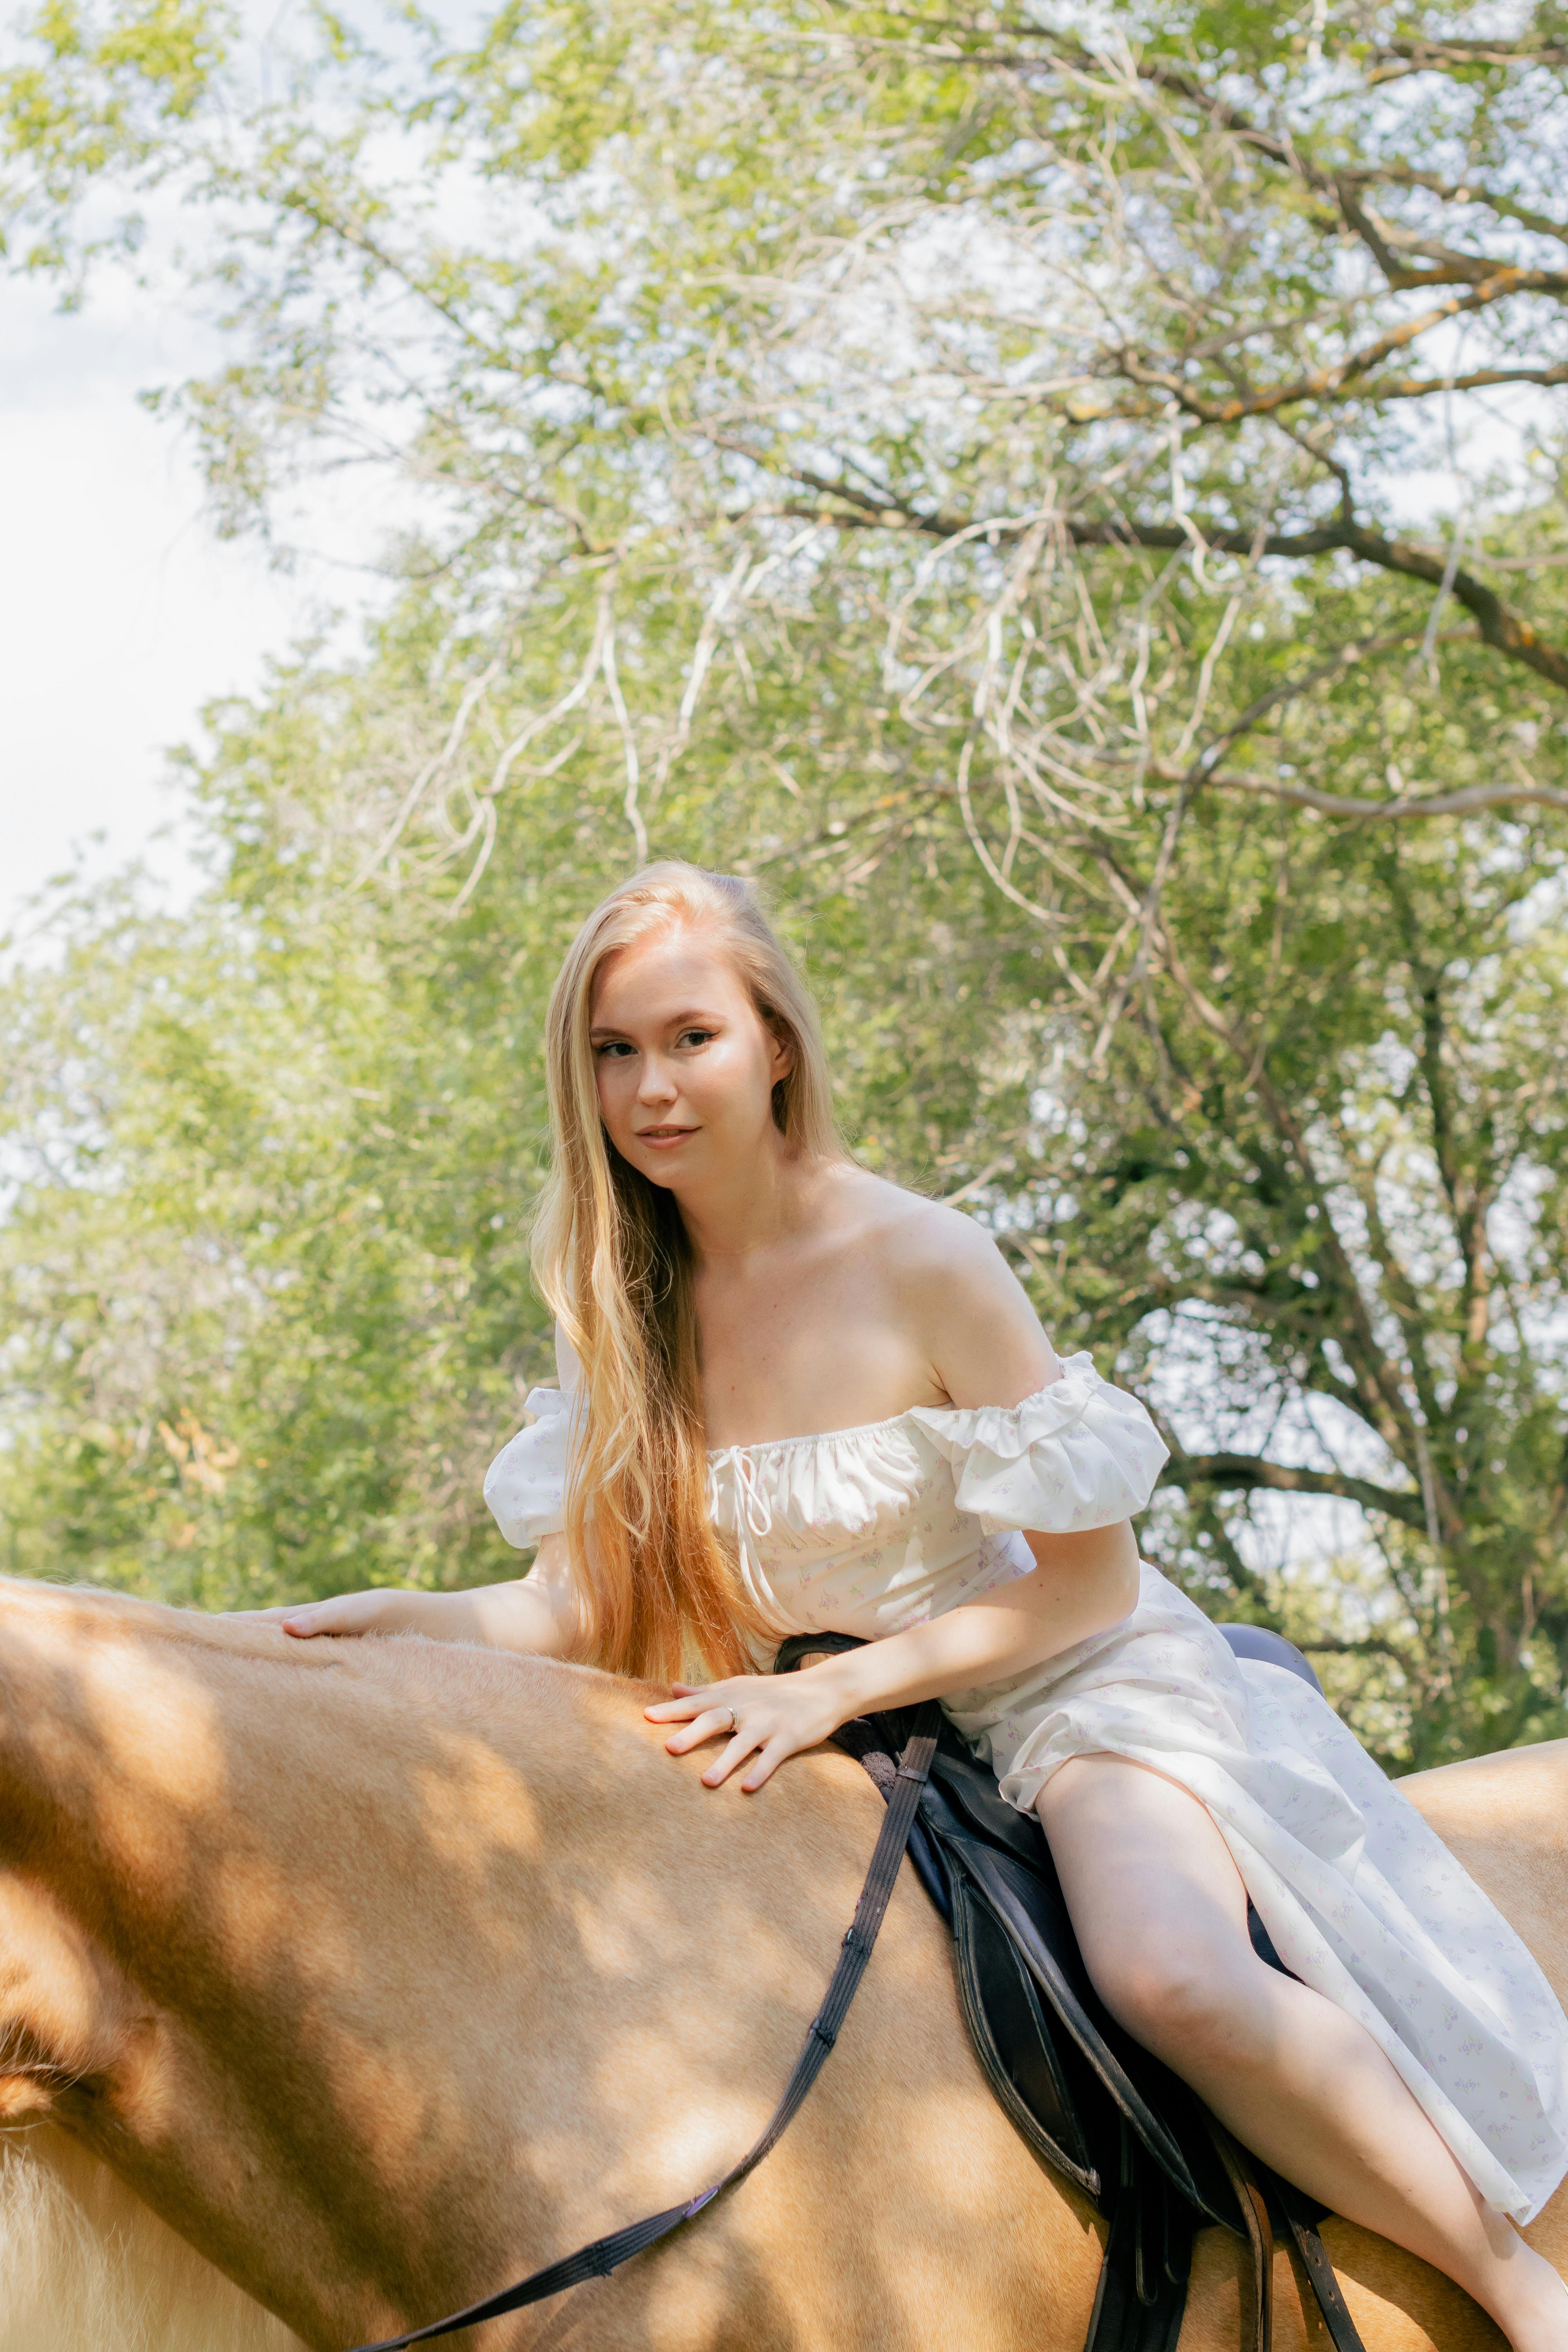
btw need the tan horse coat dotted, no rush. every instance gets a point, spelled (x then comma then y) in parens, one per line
(384, 1972)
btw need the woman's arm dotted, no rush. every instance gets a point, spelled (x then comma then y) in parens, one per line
(1081, 1585)
(537, 1613)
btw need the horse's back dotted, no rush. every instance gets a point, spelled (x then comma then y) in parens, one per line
(1505, 1817)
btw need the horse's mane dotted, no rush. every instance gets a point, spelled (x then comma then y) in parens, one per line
(88, 2268)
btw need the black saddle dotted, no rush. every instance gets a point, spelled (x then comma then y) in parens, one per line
(1090, 2100)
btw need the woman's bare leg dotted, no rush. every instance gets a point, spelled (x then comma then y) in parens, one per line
(1160, 1915)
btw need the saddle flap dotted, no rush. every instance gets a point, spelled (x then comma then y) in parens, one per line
(1084, 2095)
(1014, 2042)
(1160, 2110)
(971, 1789)
(1067, 2075)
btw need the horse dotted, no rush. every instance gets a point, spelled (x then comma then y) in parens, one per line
(341, 1983)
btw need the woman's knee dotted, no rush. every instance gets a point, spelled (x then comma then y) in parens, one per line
(1159, 1906)
(1180, 1997)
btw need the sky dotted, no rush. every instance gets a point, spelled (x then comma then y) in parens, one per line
(121, 612)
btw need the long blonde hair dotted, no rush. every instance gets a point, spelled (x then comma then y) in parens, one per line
(612, 1258)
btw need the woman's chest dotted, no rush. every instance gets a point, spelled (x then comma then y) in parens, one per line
(860, 1535)
(879, 1496)
(803, 1347)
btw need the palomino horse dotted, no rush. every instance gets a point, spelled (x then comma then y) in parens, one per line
(385, 1971)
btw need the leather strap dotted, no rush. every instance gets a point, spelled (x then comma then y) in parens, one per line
(1141, 2292)
(1301, 2217)
(1136, 2309)
(1260, 2230)
(607, 2253)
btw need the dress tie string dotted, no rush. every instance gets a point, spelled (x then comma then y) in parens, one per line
(752, 1516)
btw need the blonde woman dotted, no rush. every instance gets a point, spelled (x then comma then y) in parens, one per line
(796, 1397)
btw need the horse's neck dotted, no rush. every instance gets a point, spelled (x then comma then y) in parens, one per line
(142, 1756)
(245, 1892)
(410, 1968)
(105, 1763)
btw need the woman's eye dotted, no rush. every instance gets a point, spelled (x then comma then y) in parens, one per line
(696, 1036)
(612, 1046)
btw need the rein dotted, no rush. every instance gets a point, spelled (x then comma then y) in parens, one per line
(605, 2255)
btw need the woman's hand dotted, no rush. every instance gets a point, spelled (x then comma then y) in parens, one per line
(345, 1612)
(769, 1716)
(536, 1614)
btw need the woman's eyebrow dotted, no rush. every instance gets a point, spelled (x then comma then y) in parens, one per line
(672, 1021)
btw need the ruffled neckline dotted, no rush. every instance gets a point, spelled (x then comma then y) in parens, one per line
(922, 1415)
(1041, 1463)
(1003, 1428)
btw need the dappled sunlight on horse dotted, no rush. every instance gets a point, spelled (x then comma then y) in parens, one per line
(384, 1972)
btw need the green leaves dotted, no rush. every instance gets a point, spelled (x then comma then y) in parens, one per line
(1021, 499)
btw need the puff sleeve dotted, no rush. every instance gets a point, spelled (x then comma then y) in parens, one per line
(526, 1484)
(1077, 1454)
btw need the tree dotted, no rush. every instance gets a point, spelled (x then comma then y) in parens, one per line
(961, 468)
(267, 1314)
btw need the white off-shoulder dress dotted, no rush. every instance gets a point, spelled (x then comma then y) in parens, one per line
(874, 1530)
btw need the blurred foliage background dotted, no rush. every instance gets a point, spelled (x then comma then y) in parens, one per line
(1072, 501)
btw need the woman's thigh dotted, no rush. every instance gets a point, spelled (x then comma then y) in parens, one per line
(1157, 1902)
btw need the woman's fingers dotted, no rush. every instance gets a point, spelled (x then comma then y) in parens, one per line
(713, 1723)
(309, 1618)
(756, 1718)
(288, 1616)
(369, 1612)
(679, 1709)
(692, 1699)
(767, 1765)
(346, 1613)
(740, 1748)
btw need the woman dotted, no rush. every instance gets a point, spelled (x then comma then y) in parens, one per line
(795, 1397)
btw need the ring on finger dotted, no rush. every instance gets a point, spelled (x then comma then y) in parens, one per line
(731, 1725)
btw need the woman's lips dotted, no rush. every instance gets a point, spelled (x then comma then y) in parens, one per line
(662, 1138)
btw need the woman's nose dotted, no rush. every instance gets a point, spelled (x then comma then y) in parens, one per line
(657, 1083)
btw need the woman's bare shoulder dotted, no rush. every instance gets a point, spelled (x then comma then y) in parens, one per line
(963, 1305)
(907, 1226)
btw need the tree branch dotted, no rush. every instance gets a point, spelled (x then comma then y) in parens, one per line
(1500, 627)
(1246, 1472)
(1507, 631)
(1460, 803)
(1379, 1386)
(1383, 239)
(1397, 58)
(1504, 279)
(1459, 192)
(1421, 387)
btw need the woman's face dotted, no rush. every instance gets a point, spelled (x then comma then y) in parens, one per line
(686, 1067)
